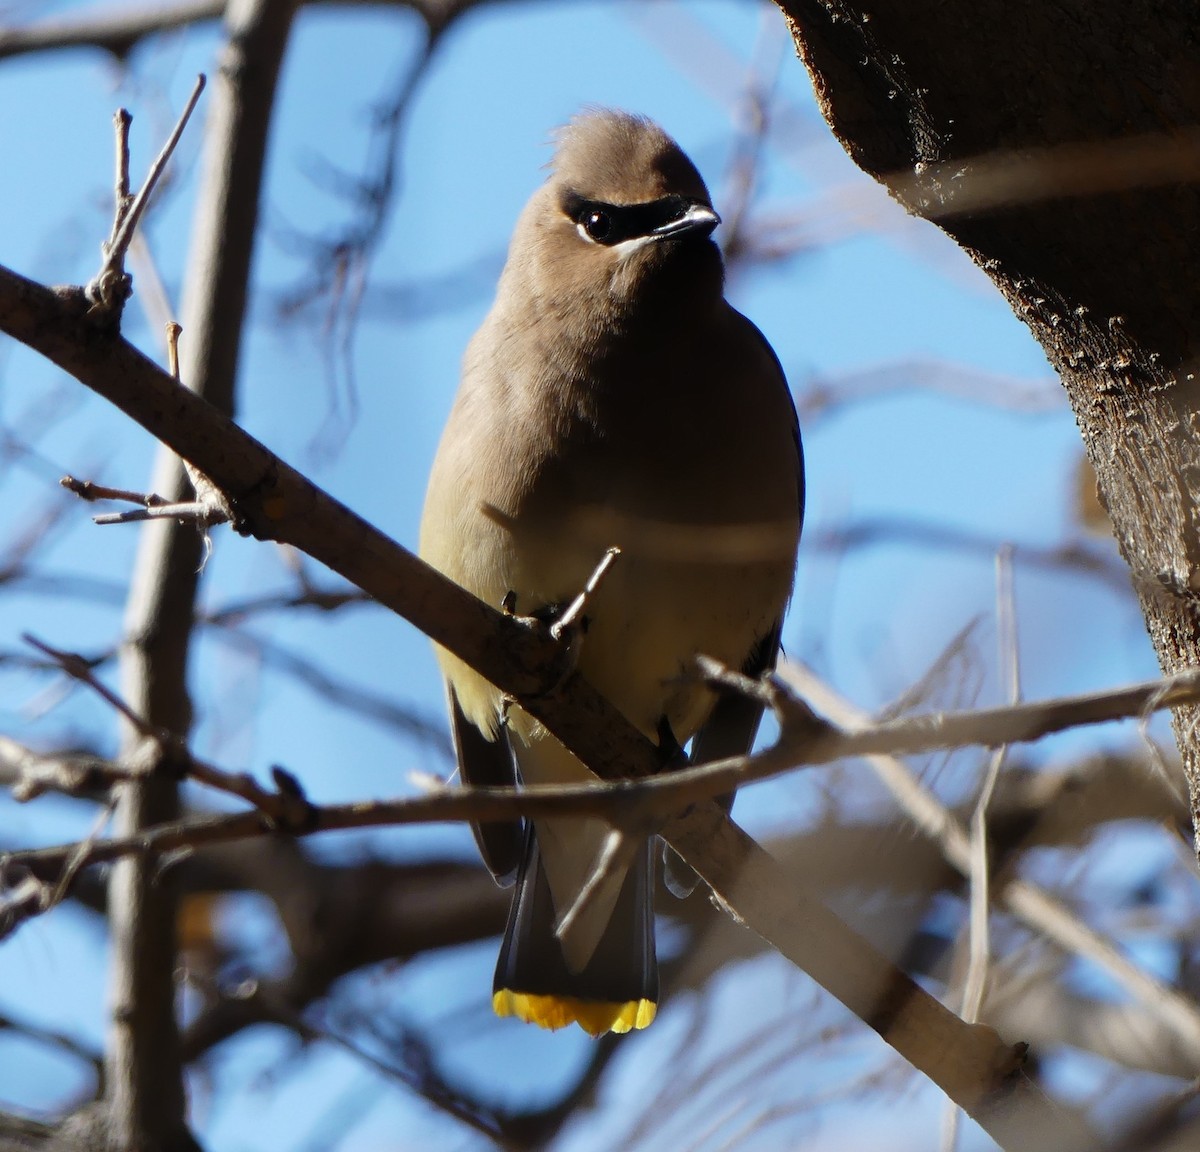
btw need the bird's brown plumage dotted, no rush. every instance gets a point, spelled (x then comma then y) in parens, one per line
(613, 397)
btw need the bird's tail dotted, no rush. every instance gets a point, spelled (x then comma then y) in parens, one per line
(616, 990)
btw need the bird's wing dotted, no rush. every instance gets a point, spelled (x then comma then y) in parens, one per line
(733, 723)
(488, 763)
(781, 377)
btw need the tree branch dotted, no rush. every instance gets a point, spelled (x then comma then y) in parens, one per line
(144, 1104)
(1047, 916)
(272, 501)
(117, 31)
(621, 801)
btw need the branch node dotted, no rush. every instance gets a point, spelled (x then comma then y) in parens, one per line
(297, 813)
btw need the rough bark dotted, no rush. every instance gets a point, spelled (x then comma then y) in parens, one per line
(1059, 145)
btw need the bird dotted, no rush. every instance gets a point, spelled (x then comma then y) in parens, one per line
(612, 397)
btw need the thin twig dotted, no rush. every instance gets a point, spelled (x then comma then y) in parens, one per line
(614, 859)
(199, 510)
(173, 330)
(28, 774)
(79, 859)
(207, 510)
(55, 1039)
(109, 288)
(91, 492)
(121, 122)
(1011, 669)
(1042, 912)
(1074, 556)
(21, 901)
(1000, 179)
(574, 611)
(114, 28)
(286, 807)
(649, 796)
(979, 947)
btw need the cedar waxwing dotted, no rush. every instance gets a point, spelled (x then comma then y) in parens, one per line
(612, 397)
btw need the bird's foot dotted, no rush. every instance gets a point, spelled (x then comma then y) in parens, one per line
(566, 623)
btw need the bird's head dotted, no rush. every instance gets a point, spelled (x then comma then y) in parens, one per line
(624, 223)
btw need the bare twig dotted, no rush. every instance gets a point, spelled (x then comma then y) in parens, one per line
(1079, 556)
(79, 857)
(1046, 915)
(121, 122)
(574, 611)
(340, 264)
(616, 855)
(285, 807)
(199, 512)
(173, 331)
(122, 28)
(354, 697)
(110, 287)
(206, 511)
(942, 191)
(979, 941)
(820, 397)
(117, 31)
(619, 801)
(22, 900)
(322, 599)
(91, 492)
(980, 947)
(745, 169)
(29, 774)
(55, 1039)
(260, 1002)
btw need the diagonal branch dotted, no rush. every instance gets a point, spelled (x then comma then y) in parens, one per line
(273, 501)
(1029, 903)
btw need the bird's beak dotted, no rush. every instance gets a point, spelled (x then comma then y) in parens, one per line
(697, 218)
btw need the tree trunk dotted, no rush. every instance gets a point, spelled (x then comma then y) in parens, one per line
(1059, 144)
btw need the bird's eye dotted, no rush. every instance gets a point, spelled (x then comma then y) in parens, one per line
(597, 225)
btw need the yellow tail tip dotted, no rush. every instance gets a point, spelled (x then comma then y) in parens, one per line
(595, 1017)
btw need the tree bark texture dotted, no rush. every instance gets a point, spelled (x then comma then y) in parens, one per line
(1059, 144)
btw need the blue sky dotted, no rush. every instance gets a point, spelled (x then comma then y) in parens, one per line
(888, 292)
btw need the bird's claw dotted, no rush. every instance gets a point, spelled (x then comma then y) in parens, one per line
(567, 624)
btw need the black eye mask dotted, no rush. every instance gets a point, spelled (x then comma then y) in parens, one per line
(610, 224)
